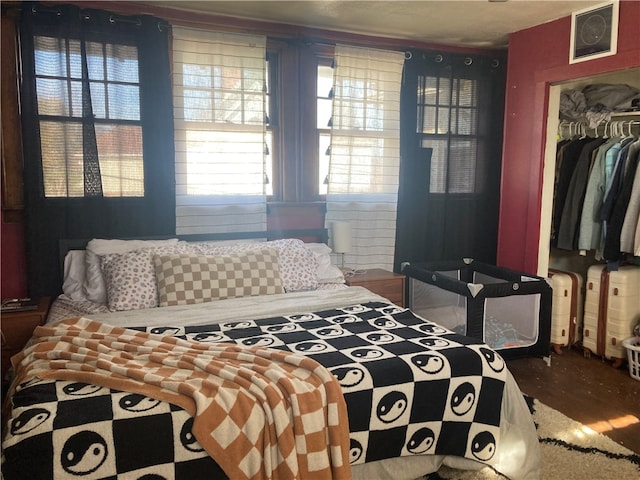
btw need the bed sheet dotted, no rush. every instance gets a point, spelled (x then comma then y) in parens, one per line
(518, 456)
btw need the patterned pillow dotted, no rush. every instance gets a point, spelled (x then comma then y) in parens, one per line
(298, 265)
(94, 287)
(187, 279)
(130, 277)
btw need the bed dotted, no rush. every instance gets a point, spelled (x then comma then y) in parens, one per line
(266, 366)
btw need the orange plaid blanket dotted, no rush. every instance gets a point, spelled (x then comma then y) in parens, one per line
(260, 413)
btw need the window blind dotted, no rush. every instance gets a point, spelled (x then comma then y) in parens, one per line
(365, 152)
(219, 116)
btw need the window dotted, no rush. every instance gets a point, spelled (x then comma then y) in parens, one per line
(108, 160)
(220, 87)
(365, 128)
(447, 120)
(223, 116)
(365, 151)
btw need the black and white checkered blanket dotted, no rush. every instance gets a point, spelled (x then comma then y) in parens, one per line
(411, 388)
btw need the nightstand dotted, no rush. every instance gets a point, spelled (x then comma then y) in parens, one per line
(17, 328)
(383, 282)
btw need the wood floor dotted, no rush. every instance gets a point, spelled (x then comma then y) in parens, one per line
(588, 390)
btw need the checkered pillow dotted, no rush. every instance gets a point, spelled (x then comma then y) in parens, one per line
(298, 264)
(186, 279)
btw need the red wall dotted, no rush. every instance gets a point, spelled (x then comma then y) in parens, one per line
(539, 57)
(13, 274)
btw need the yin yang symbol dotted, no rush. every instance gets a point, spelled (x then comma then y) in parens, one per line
(137, 403)
(311, 347)
(367, 353)
(421, 441)
(391, 310)
(383, 322)
(258, 341)
(483, 446)
(207, 337)
(391, 406)
(187, 438)
(494, 360)
(348, 376)
(434, 342)
(380, 337)
(330, 332)
(463, 398)
(83, 453)
(80, 388)
(281, 328)
(355, 450)
(238, 324)
(344, 319)
(165, 330)
(301, 317)
(28, 420)
(428, 363)
(431, 328)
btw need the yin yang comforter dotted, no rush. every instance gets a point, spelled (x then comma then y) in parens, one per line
(417, 396)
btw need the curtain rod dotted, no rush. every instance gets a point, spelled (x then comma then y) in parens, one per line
(86, 15)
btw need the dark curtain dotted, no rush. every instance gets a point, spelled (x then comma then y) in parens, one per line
(93, 215)
(452, 110)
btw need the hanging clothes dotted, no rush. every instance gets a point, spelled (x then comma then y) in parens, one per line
(632, 216)
(596, 205)
(627, 172)
(590, 230)
(568, 157)
(572, 211)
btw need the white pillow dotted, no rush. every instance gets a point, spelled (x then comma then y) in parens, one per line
(74, 275)
(94, 287)
(326, 273)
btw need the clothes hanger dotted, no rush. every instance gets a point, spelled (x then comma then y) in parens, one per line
(583, 130)
(561, 126)
(630, 124)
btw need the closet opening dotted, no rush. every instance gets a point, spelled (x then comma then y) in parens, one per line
(550, 256)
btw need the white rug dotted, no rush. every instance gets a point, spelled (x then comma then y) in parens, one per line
(570, 451)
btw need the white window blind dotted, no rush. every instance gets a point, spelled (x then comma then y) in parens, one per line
(219, 114)
(365, 152)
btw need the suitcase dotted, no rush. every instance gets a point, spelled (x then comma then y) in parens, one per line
(566, 309)
(611, 309)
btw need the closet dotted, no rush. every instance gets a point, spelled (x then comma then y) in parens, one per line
(580, 168)
(621, 124)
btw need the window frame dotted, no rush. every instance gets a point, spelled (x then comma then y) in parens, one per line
(272, 127)
(325, 61)
(453, 106)
(72, 118)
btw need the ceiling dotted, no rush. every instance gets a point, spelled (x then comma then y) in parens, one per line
(471, 23)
